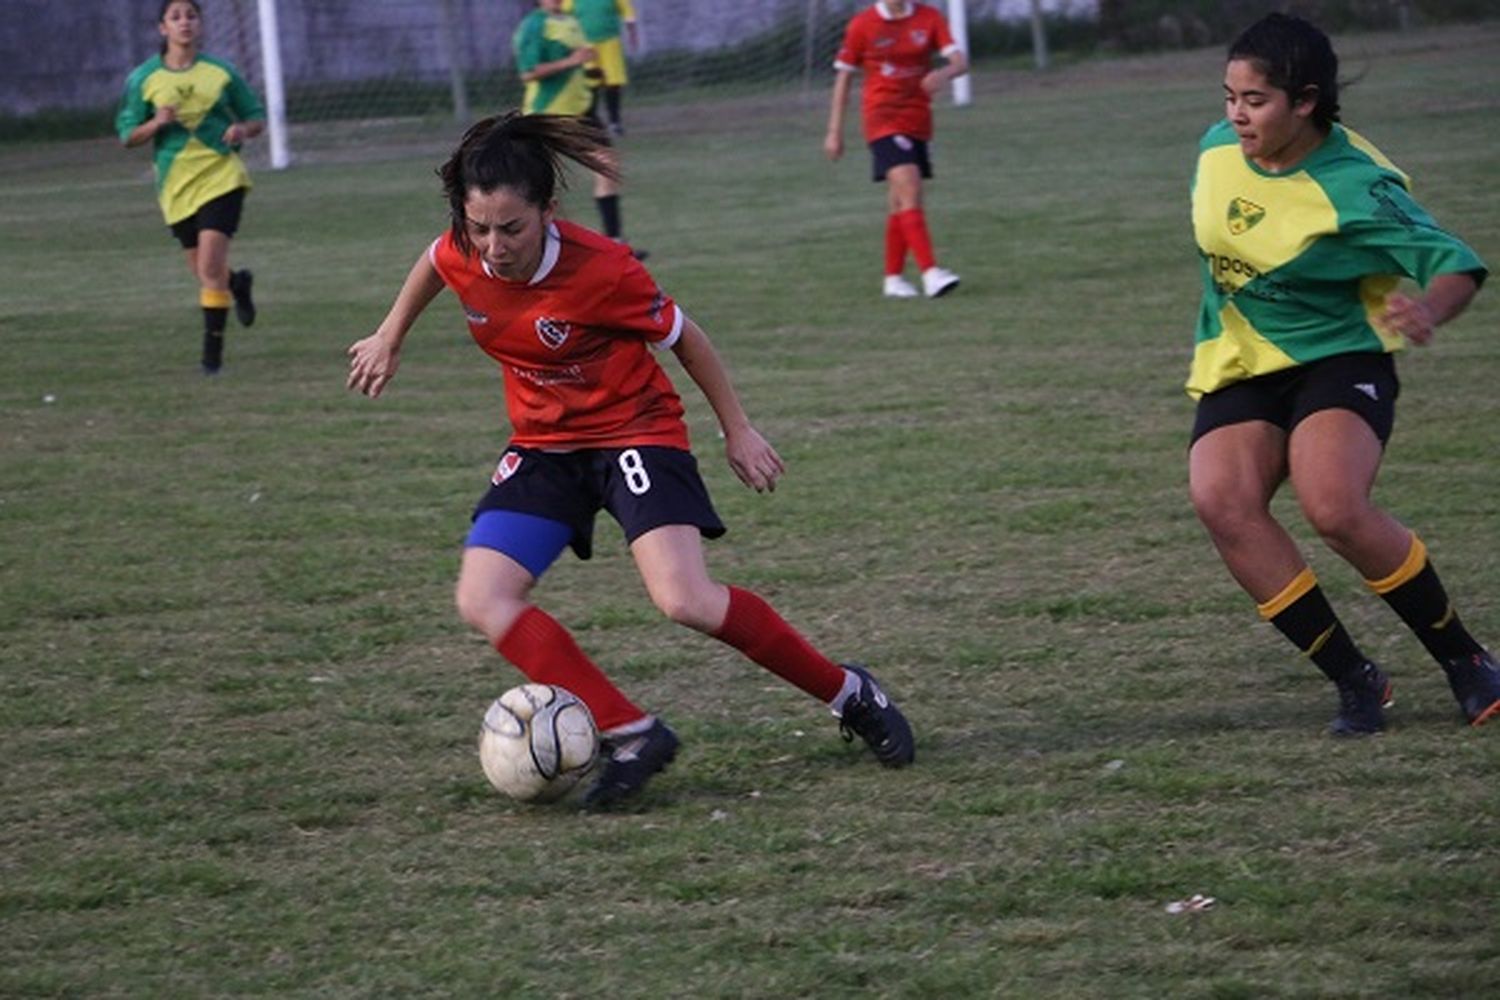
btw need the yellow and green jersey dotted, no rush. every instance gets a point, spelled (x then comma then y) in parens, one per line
(1296, 265)
(193, 163)
(544, 38)
(600, 19)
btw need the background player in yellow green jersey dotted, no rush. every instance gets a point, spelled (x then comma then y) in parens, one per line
(196, 110)
(602, 22)
(1305, 230)
(551, 56)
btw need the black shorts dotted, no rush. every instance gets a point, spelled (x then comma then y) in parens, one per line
(1365, 384)
(644, 487)
(894, 150)
(221, 215)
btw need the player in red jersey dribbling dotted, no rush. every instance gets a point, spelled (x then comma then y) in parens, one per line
(576, 324)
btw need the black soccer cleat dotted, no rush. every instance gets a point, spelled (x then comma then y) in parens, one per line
(630, 762)
(1363, 694)
(239, 287)
(1475, 681)
(874, 718)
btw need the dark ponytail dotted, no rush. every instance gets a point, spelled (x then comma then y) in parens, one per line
(524, 153)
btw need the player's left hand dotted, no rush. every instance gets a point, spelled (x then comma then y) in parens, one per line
(372, 364)
(933, 81)
(1411, 318)
(753, 459)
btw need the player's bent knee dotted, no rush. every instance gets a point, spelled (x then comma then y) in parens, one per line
(483, 612)
(686, 607)
(1335, 518)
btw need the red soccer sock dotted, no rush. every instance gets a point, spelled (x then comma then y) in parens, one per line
(914, 227)
(754, 628)
(895, 245)
(545, 652)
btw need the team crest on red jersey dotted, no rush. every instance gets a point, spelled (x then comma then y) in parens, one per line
(919, 36)
(553, 332)
(509, 463)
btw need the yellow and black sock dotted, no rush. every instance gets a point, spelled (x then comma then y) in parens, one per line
(215, 303)
(1302, 614)
(1416, 594)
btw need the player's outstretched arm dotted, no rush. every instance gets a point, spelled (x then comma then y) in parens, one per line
(750, 455)
(1417, 319)
(373, 360)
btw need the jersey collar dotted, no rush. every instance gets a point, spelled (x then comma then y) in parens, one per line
(550, 253)
(885, 12)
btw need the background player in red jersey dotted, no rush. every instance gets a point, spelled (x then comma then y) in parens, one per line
(575, 323)
(893, 43)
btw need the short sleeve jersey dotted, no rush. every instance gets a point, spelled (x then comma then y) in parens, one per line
(1296, 264)
(576, 343)
(895, 53)
(193, 163)
(544, 38)
(601, 19)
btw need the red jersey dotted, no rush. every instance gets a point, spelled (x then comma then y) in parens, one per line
(575, 342)
(895, 53)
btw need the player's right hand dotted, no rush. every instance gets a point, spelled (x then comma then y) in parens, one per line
(833, 145)
(372, 364)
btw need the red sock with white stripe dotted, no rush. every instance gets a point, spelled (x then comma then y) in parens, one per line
(544, 651)
(754, 628)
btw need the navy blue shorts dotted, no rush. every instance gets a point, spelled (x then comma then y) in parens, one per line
(222, 215)
(643, 487)
(1363, 383)
(894, 150)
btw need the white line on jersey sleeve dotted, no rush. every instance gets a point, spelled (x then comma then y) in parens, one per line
(666, 343)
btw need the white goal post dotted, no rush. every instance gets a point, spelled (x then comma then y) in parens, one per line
(270, 62)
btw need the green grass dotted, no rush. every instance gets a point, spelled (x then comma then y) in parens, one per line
(238, 713)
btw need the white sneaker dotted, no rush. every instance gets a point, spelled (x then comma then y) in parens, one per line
(897, 287)
(937, 281)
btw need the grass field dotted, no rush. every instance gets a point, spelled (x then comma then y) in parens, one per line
(238, 713)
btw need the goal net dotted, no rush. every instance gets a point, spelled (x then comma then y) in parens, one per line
(356, 75)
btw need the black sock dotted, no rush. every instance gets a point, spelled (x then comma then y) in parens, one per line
(214, 321)
(1424, 606)
(609, 212)
(612, 104)
(1302, 613)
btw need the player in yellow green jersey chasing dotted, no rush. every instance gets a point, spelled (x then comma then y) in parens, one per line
(1305, 230)
(196, 110)
(552, 57)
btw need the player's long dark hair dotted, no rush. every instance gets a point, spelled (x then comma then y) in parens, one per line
(524, 153)
(1295, 56)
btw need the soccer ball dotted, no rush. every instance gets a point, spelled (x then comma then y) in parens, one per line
(536, 742)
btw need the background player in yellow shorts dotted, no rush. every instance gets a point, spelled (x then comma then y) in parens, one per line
(602, 22)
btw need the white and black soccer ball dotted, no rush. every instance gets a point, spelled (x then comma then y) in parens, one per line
(537, 741)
